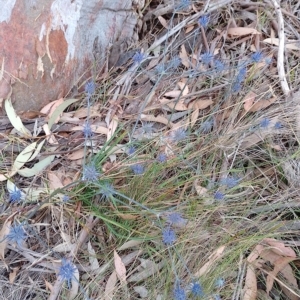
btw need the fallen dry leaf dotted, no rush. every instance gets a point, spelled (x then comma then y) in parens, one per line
(279, 264)
(279, 248)
(217, 254)
(13, 275)
(110, 286)
(289, 44)
(184, 57)
(200, 104)
(249, 100)
(163, 22)
(194, 117)
(54, 181)
(261, 104)
(240, 31)
(158, 119)
(3, 240)
(120, 267)
(250, 287)
(78, 154)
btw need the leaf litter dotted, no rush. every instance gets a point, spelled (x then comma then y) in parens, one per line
(186, 89)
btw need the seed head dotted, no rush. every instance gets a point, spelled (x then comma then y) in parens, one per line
(178, 135)
(203, 21)
(206, 58)
(168, 236)
(218, 195)
(137, 169)
(256, 57)
(15, 196)
(107, 191)
(90, 173)
(17, 234)
(196, 289)
(87, 130)
(67, 271)
(220, 282)
(138, 57)
(176, 219)
(179, 292)
(161, 157)
(230, 181)
(90, 87)
(220, 67)
(265, 123)
(278, 125)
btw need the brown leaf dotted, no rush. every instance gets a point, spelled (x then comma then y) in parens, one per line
(158, 119)
(13, 275)
(184, 57)
(201, 104)
(211, 260)
(240, 31)
(78, 154)
(289, 44)
(189, 28)
(279, 248)
(163, 22)
(173, 94)
(177, 105)
(261, 104)
(288, 273)
(110, 286)
(54, 181)
(3, 240)
(249, 100)
(120, 267)
(279, 264)
(250, 287)
(183, 87)
(51, 107)
(194, 117)
(112, 127)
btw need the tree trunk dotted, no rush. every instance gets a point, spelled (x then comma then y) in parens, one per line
(49, 46)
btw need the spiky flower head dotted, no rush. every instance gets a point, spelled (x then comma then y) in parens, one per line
(90, 173)
(161, 157)
(17, 234)
(220, 282)
(67, 271)
(219, 195)
(87, 130)
(168, 236)
(265, 122)
(138, 169)
(206, 58)
(257, 57)
(65, 198)
(15, 196)
(278, 125)
(138, 57)
(203, 21)
(230, 181)
(90, 88)
(176, 219)
(196, 289)
(178, 135)
(179, 292)
(107, 191)
(219, 66)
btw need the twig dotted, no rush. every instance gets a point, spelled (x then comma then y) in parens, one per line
(280, 59)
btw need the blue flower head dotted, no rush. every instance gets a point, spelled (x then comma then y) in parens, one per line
(174, 62)
(203, 21)
(236, 87)
(265, 123)
(168, 236)
(15, 196)
(66, 271)
(219, 66)
(241, 75)
(90, 173)
(137, 169)
(178, 135)
(65, 198)
(147, 128)
(138, 57)
(220, 282)
(206, 58)
(206, 126)
(87, 130)
(196, 289)
(183, 4)
(179, 292)
(218, 195)
(230, 181)
(278, 125)
(17, 234)
(176, 219)
(90, 88)
(131, 150)
(256, 57)
(161, 157)
(107, 191)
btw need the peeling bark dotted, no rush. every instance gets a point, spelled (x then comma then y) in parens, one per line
(48, 46)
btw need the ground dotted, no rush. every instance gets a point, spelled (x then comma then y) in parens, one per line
(174, 175)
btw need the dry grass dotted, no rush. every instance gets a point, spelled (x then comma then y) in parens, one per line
(242, 145)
